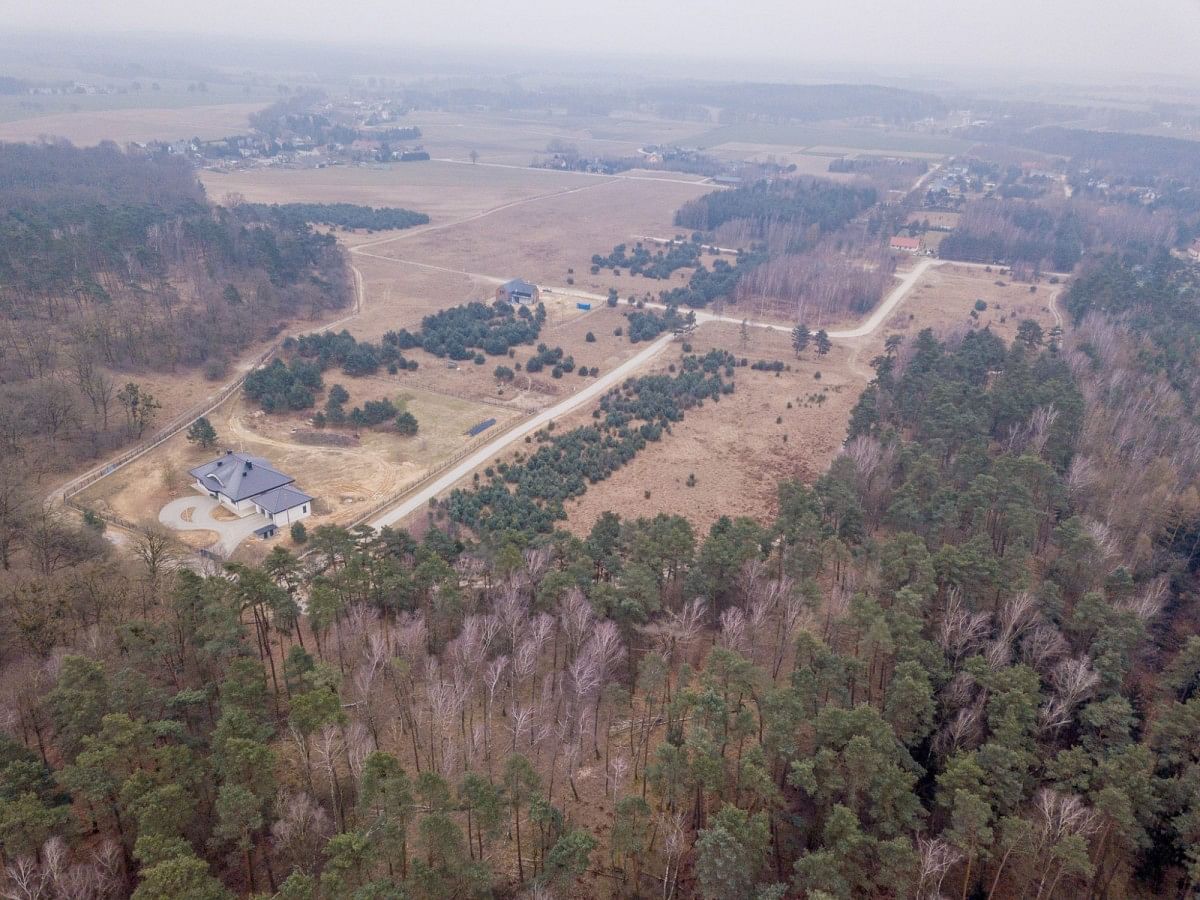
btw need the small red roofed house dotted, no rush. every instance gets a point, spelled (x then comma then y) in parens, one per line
(905, 244)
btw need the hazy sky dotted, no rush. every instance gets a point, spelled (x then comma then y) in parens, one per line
(1102, 36)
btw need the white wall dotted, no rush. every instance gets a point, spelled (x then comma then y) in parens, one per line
(242, 508)
(288, 516)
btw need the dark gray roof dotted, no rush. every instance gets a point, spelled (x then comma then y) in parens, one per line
(282, 498)
(518, 286)
(239, 476)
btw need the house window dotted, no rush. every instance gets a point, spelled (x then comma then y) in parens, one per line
(304, 508)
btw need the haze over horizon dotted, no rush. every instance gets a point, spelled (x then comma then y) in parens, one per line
(1096, 38)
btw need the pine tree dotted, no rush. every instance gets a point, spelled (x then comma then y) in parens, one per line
(202, 433)
(800, 338)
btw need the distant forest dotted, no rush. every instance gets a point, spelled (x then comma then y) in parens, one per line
(803, 204)
(1141, 156)
(738, 102)
(114, 262)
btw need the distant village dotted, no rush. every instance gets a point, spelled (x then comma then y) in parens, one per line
(329, 135)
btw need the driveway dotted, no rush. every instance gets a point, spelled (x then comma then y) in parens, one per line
(230, 532)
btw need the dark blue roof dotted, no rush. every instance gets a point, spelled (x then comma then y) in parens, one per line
(282, 498)
(239, 476)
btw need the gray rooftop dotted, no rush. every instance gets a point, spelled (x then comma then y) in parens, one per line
(281, 498)
(239, 476)
(518, 286)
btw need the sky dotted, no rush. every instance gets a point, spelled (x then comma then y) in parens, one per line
(1101, 37)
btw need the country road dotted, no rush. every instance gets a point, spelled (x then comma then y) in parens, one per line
(464, 468)
(420, 498)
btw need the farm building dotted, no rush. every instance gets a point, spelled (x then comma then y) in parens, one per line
(518, 291)
(905, 244)
(249, 484)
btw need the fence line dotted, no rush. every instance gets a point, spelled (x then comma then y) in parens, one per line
(165, 433)
(450, 461)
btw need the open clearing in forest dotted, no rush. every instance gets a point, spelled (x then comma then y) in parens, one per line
(490, 222)
(735, 448)
(945, 297)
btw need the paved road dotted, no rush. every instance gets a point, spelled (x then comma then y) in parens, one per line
(464, 468)
(230, 532)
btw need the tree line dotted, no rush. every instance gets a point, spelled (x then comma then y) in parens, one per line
(341, 215)
(101, 276)
(937, 670)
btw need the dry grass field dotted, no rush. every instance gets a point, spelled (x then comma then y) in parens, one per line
(935, 218)
(445, 191)
(516, 140)
(542, 238)
(737, 449)
(135, 124)
(945, 298)
(785, 154)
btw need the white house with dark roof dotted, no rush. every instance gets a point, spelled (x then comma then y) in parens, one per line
(249, 484)
(518, 291)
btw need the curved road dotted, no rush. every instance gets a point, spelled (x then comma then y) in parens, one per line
(420, 497)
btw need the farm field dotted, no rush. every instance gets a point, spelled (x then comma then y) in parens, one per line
(516, 140)
(123, 125)
(834, 140)
(541, 239)
(445, 191)
(806, 163)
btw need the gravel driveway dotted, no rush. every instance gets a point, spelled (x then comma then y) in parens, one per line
(230, 532)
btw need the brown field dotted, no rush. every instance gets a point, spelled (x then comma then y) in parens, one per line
(945, 298)
(806, 162)
(890, 150)
(935, 218)
(932, 240)
(541, 238)
(445, 191)
(735, 448)
(124, 125)
(516, 140)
